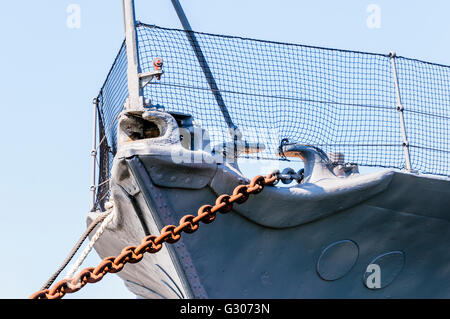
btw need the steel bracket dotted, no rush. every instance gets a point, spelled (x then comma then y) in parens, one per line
(146, 78)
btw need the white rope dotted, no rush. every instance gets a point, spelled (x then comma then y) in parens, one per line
(76, 266)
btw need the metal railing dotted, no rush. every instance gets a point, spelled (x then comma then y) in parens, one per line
(379, 110)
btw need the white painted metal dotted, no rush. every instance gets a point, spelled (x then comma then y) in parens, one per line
(400, 113)
(135, 100)
(147, 77)
(94, 153)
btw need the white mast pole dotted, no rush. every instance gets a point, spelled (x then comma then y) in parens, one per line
(135, 99)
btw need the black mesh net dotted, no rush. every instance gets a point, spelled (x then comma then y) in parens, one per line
(111, 100)
(341, 101)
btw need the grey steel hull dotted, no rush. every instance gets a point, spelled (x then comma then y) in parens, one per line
(406, 222)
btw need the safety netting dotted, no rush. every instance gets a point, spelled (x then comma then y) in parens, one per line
(339, 100)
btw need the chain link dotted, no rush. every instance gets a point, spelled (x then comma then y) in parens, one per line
(152, 244)
(288, 175)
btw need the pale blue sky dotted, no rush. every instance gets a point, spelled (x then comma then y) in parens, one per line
(50, 73)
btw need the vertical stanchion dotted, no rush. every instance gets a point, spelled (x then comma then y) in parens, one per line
(94, 152)
(135, 99)
(400, 109)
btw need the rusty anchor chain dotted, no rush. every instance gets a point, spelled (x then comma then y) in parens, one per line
(152, 244)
